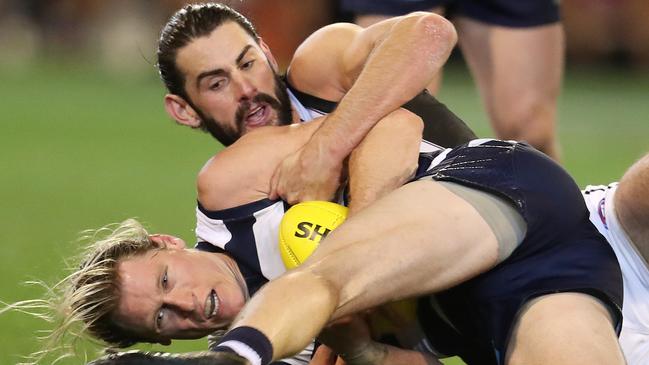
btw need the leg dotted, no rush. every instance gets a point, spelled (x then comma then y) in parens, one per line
(564, 328)
(432, 238)
(518, 72)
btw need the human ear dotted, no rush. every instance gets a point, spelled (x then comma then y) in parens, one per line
(179, 109)
(167, 241)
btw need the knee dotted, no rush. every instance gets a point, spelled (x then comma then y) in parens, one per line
(319, 292)
(531, 119)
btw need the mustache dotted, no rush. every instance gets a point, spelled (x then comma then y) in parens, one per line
(244, 106)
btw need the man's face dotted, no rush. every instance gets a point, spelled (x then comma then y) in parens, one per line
(176, 293)
(231, 83)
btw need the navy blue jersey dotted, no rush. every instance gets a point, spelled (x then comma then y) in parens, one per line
(509, 13)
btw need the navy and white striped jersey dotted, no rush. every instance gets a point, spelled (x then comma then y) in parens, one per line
(250, 233)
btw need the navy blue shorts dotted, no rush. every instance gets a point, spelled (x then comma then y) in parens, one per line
(561, 252)
(509, 13)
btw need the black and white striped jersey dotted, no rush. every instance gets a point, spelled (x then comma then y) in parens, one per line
(250, 233)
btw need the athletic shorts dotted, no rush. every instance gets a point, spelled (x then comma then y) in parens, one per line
(561, 251)
(509, 13)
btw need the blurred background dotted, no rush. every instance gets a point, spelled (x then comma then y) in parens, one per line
(85, 140)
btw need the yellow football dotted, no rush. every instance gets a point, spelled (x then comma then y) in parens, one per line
(304, 226)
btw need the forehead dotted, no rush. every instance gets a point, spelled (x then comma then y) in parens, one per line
(138, 285)
(218, 49)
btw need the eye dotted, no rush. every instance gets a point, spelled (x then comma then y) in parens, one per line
(217, 85)
(159, 318)
(247, 65)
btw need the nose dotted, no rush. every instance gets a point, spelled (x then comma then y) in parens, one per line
(182, 300)
(246, 87)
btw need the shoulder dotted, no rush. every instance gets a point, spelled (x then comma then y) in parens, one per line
(318, 65)
(241, 173)
(236, 175)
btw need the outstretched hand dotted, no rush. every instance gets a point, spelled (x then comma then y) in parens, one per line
(310, 173)
(162, 358)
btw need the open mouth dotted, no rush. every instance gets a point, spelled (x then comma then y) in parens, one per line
(211, 305)
(257, 116)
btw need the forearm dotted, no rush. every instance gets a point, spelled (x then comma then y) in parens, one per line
(385, 159)
(399, 67)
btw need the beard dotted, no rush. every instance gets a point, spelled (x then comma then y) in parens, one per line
(227, 135)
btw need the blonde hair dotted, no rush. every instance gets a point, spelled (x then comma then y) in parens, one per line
(84, 301)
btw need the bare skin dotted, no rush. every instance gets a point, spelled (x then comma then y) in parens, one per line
(382, 162)
(348, 275)
(339, 275)
(520, 90)
(632, 207)
(370, 72)
(383, 70)
(520, 93)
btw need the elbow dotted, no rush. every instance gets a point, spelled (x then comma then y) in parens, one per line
(437, 32)
(409, 123)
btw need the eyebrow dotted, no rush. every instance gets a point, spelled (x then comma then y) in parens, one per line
(220, 71)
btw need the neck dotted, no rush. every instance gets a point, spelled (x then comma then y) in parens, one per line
(232, 266)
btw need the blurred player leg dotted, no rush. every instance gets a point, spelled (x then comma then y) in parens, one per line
(518, 72)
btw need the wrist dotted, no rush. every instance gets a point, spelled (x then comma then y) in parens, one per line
(337, 137)
(326, 149)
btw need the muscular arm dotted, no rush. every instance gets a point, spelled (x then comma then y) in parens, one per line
(383, 67)
(241, 173)
(372, 72)
(385, 159)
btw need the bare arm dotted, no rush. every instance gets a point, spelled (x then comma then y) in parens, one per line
(241, 173)
(382, 68)
(385, 159)
(378, 70)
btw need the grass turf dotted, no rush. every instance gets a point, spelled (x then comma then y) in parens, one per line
(81, 149)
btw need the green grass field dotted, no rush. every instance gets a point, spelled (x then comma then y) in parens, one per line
(81, 149)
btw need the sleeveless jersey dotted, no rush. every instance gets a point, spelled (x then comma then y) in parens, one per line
(634, 337)
(250, 233)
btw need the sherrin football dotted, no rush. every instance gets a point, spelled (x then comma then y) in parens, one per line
(304, 226)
